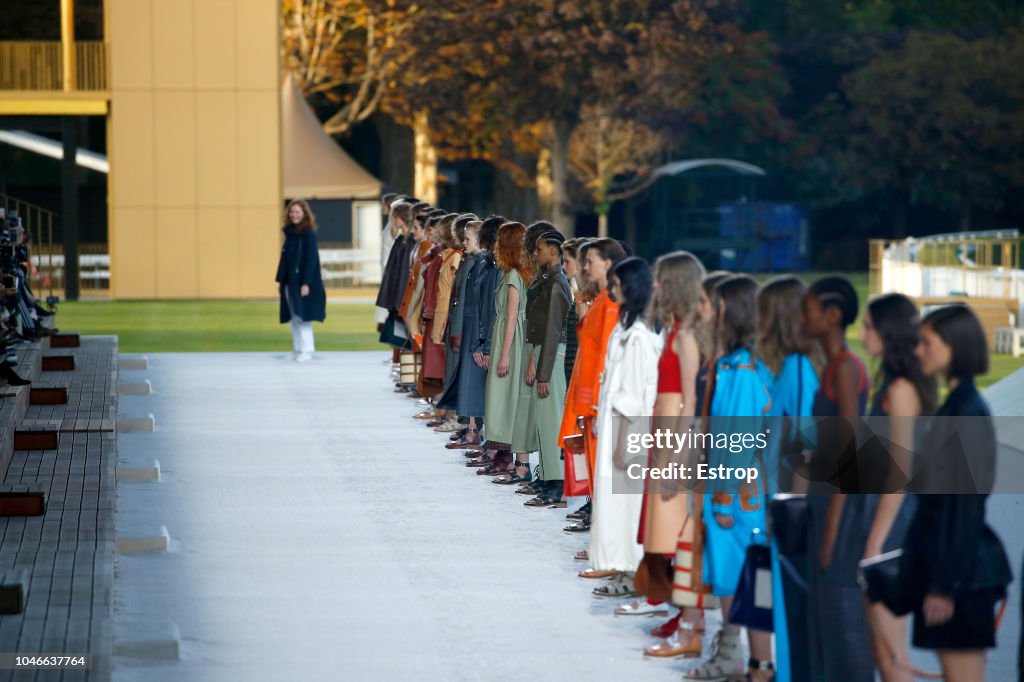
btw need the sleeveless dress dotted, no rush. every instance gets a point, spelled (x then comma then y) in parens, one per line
(502, 393)
(660, 512)
(839, 646)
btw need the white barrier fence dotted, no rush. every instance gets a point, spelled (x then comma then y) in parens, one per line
(914, 279)
(339, 267)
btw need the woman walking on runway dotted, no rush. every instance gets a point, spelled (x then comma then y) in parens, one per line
(303, 299)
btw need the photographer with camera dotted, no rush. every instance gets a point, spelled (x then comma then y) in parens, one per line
(22, 314)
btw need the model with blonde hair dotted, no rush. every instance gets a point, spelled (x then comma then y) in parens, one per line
(677, 286)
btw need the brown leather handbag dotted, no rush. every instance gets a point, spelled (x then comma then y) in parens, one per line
(653, 577)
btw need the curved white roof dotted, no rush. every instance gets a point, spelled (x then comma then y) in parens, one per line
(677, 167)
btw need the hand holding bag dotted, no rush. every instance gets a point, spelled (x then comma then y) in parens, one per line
(880, 578)
(752, 603)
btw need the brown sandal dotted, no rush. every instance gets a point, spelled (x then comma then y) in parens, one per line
(594, 573)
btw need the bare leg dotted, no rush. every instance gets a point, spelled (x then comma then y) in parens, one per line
(963, 666)
(888, 643)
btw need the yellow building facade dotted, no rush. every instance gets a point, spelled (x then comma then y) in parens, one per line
(191, 90)
(194, 147)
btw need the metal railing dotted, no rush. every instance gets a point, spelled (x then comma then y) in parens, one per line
(93, 268)
(37, 65)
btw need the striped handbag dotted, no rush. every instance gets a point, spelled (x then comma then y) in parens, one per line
(688, 588)
(410, 368)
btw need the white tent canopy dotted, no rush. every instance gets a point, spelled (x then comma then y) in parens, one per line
(315, 167)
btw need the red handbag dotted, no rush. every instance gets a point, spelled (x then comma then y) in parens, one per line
(577, 476)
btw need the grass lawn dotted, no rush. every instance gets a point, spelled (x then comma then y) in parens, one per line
(175, 326)
(170, 326)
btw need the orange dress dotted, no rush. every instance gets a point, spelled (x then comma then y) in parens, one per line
(581, 397)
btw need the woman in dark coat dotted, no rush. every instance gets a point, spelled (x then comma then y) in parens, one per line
(303, 299)
(952, 558)
(477, 322)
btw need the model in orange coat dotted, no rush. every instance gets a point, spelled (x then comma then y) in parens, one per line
(594, 331)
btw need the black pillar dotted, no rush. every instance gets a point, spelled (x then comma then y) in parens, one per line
(69, 213)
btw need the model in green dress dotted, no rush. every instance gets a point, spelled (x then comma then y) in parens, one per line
(502, 393)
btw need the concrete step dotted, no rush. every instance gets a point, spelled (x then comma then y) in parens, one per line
(142, 540)
(130, 424)
(140, 388)
(140, 638)
(133, 362)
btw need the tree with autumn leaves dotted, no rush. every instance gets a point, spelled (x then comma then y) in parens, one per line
(583, 98)
(564, 82)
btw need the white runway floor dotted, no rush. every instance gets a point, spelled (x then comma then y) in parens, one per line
(319, 533)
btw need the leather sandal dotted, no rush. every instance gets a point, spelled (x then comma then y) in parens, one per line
(684, 642)
(547, 502)
(580, 513)
(667, 629)
(619, 586)
(593, 573)
(755, 666)
(462, 445)
(513, 476)
(496, 468)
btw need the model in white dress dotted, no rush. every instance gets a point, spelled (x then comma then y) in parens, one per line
(628, 390)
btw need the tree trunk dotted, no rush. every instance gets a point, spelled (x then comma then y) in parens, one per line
(602, 225)
(397, 155)
(563, 217)
(545, 185)
(425, 186)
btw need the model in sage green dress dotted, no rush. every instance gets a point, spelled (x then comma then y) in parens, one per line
(502, 394)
